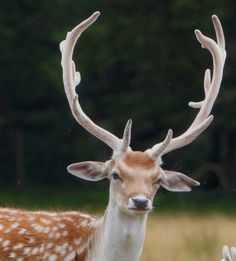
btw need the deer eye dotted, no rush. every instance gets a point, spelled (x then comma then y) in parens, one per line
(157, 182)
(115, 176)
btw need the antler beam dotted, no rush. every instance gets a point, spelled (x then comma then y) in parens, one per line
(71, 79)
(211, 87)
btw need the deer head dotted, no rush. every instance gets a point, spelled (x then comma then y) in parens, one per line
(135, 176)
(229, 253)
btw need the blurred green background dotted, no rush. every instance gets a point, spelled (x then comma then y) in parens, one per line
(140, 60)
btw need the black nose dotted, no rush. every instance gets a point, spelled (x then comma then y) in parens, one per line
(140, 203)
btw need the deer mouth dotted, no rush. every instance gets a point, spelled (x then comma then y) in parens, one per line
(140, 209)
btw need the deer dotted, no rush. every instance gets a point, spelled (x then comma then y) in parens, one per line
(229, 253)
(135, 177)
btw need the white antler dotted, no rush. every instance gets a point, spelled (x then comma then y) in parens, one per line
(71, 79)
(211, 87)
(229, 254)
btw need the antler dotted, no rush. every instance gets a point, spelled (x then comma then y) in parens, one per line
(229, 254)
(211, 87)
(71, 79)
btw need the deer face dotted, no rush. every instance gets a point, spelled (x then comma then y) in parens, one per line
(134, 179)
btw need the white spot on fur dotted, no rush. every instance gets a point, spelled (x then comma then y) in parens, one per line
(41, 249)
(68, 219)
(45, 221)
(38, 228)
(46, 230)
(12, 255)
(31, 240)
(65, 233)
(77, 241)
(71, 256)
(23, 231)
(50, 245)
(52, 258)
(84, 223)
(15, 225)
(6, 243)
(54, 228)
(61, 249)
(35, 251)
(27, 250)
(18, 246)
(82, 248)
(57, 235)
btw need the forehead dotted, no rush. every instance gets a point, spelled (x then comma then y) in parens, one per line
(137, 164)
(138, 159)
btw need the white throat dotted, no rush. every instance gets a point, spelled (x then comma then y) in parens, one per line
(120, 237)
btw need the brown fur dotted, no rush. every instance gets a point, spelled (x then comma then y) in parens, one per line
(137, 159)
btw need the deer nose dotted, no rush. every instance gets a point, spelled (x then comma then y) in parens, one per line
(140, 202)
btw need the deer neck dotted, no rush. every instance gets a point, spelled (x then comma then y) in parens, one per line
(120, 235)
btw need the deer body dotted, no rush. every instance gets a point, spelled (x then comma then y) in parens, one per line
(41, 235)
(134, 177)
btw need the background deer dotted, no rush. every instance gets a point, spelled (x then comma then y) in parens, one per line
(229, 254)
(134, 176)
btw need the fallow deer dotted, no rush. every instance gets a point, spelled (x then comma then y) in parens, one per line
(134, 176)
(229, 253)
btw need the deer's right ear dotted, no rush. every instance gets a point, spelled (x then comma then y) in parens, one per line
(88, 170)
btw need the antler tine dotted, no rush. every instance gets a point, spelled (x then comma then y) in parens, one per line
(219, 31)
(71, 78)
(158, 149)
(211, 88)
(126, 136)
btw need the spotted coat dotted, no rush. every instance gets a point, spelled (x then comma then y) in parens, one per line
(51, 236)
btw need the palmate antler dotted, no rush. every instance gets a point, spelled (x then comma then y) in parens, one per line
(211, 87)
(71, 78)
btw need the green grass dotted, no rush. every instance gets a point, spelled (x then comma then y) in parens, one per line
(55, 199)
(197, 201)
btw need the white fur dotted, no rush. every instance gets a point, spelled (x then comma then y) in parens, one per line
(120, 236)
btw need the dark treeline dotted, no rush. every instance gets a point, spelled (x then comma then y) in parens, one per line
(140, 60)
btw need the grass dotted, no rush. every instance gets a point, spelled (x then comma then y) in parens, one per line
(187, 237)
(55, 199)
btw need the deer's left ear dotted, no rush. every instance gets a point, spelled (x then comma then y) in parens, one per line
(88, 170)
(177, 182)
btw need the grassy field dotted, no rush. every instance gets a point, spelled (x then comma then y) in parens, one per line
(186, 237)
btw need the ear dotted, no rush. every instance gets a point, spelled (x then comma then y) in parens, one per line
(177, 182)
(88, 170)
